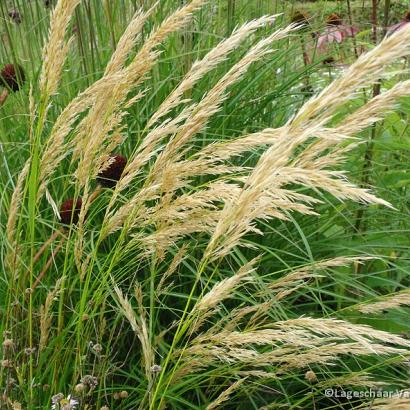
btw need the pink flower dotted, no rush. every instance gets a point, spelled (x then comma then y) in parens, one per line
(335, 34)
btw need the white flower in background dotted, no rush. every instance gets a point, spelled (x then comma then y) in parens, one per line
(62, 403)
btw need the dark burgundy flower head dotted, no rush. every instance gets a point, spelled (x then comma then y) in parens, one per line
(328, 61)
(334, 20)
(12, 76)
(15, 16)
(407, 16)
(111, 175)
(301, 19)
(70, 211)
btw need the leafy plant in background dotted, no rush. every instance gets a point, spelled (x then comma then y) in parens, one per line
(335, 32)
(160, 295)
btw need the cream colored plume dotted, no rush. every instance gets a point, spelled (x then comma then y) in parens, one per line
(138, 324)
(392, 301)
(220, 291)
(199, 69)
(278, 166)
(56, 49)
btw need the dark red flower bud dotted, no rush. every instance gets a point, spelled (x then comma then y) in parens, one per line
(70, 211)
(328, 61)
(334, 20)
(111, 175)
(407, 16)
(12, 76)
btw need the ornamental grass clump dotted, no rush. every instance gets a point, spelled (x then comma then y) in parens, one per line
(162, 271)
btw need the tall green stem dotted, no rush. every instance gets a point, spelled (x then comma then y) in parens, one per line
(368, 155)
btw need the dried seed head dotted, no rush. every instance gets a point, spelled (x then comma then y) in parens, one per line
(17, 405)
(8, 344)
(29, 351)
(11, 382)
(6, 363)
(57, 398)
(79, 388)
(85, 317)
(123, 394)
(111, 175)
(301, 19)
(334, 20)
(70, 211)
(105, 408)
(15, 16)
(310, 376)
(156, 368)
(97, 348)
(12, 76)
(90, 381)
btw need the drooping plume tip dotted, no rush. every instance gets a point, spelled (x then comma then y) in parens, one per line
(301, 19)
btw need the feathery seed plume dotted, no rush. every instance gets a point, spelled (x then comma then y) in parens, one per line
(252, 203)
(212, 59)
(15, 204)
(225, 395)
(301, 18)
(388, 302)
(56, 49)
(138, 325)
(46, 315)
